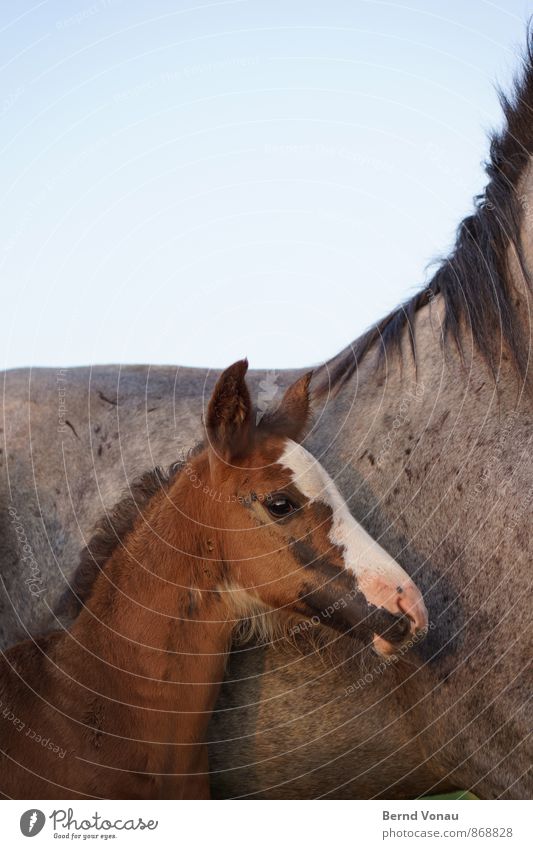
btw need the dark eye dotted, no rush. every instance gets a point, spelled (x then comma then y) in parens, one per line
(280, 505)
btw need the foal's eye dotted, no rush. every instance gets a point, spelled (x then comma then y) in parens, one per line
(280, 505)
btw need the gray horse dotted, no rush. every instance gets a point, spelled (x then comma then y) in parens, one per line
(425, 422)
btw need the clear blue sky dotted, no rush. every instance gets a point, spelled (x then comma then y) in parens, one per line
(189, 182)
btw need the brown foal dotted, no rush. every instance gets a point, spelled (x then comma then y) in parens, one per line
(118, 706)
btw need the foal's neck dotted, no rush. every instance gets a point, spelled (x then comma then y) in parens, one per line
(157, 621)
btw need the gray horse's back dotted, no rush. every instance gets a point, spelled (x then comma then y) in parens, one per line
(73, 439)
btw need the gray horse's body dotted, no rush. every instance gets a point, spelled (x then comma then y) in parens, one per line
(412, 457)
(436, 463)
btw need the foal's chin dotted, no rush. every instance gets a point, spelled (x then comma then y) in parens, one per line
(387, 648)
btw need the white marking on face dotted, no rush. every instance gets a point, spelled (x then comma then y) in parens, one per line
(378, 575)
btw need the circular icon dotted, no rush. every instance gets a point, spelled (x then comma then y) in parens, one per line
(32, 822)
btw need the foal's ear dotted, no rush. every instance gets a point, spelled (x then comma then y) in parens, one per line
(290, 417)
(229, 412)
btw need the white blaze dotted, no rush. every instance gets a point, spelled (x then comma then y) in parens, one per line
(378, 575)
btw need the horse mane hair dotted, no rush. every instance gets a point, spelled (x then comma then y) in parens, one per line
(110, 532)
(474, 280)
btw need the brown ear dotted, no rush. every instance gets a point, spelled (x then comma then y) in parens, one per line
(229, 412)
(290, 417)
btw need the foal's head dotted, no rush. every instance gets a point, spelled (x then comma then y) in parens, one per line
(280, 527)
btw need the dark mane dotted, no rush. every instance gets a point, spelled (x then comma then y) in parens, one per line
(110, 532)
(474, 281)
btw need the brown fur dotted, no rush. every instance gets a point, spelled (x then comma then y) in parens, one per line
(110, 532)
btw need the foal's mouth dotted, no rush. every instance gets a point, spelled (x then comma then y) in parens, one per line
(389, 627)
(403, 602)
(399, 635)
(357, 618)
(414, 623)
(392, 632)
